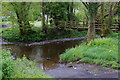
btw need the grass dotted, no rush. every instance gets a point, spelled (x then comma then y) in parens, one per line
(13, 35)
(101, 51)
(20, 68)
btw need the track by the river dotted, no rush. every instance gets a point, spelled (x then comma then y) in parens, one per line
(83, 71)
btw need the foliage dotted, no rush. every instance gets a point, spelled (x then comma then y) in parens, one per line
(58, 14)
(100, 51)
(12, 34)
(114, 35)
(81, 12)
(20, 68)
(5, 63)
(0, 66)
(21, 13)
(69, 34)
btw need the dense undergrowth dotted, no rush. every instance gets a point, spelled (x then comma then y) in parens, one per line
(13, 35)
(101, 51)
(19, 68)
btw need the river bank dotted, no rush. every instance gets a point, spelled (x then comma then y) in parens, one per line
(41, 42)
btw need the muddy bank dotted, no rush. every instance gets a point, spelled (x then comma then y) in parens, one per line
(83, 70)
(41, 42)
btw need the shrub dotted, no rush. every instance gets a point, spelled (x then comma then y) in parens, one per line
(13, 34)
(7, 66)
(20, 68)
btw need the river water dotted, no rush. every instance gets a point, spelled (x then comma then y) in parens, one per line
(46, 55)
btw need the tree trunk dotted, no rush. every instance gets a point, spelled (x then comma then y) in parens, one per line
(92, 12)
(91, 24)
(68, 9)
(91, 30)
(22, 32)
(22, 10)
(104, 28)
(71, 11)
(47, 20)
(43, 16)
(110, 15)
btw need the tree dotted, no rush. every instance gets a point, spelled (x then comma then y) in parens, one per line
(104, 28)
(92, 8)
(19, 13)
(58, 12)
(70, 11)
(110, 9)
(22, 12)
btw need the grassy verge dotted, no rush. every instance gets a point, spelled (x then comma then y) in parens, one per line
(102, 51)
(13, 35)
(20, 68)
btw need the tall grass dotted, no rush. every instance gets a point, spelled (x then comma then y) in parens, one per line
(102, 51)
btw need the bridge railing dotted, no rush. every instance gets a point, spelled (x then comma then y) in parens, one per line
(72, 24)
(83, 24)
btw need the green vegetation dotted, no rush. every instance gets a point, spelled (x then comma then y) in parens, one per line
(38, 21)
(101, 51)
(5, 22)
(12, 34)
(20, 68)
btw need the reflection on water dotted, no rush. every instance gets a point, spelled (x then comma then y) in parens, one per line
(46, 55)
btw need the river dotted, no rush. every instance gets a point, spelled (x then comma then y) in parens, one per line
(46, 55)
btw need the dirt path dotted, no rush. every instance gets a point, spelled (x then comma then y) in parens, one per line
(83, 71)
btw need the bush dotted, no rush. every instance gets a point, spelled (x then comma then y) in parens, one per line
(114, 35)
(102, 51)
(20, 68)
(13, 35)
(7, 66)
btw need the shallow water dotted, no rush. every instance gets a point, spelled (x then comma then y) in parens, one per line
(47, 55)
